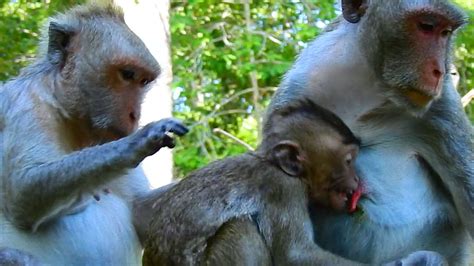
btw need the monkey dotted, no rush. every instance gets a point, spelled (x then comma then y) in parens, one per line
(306, 158)
(284, 173)
(70, 146)
(381, 67)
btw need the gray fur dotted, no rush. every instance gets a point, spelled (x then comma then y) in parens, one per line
(191, 218)
(417, 164)
(246, 210)
(63, 141)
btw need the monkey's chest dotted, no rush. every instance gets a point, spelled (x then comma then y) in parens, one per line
(399, 208)
(101, 234)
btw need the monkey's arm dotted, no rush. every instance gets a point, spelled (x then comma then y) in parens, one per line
(292, 245)
(450, 151)
(287, 227)
(38, 192)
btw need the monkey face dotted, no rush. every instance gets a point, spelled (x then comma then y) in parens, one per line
(113, 103)
(409, 47)
(128, 83)
(332, 181)
(109, 76)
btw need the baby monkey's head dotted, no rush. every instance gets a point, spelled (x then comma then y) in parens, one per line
(309, 142)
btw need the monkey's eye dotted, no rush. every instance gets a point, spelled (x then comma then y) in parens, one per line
(446, 32)
(127, 74)
(426, 26)
(145, 82)
(348, 158)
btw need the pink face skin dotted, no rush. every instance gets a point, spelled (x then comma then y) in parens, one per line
(430, 37)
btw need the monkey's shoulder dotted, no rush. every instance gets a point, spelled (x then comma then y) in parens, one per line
(247, 172)
(235, 185)
(241, 168)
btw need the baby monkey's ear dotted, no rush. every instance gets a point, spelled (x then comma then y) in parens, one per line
(353, 10)
(288, 155)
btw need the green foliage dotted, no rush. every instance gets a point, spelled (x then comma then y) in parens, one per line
(216, 52)
(464, 54)
(227, 61)
(228, 58)
(20, 31)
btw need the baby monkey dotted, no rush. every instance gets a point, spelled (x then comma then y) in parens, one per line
(306, 157)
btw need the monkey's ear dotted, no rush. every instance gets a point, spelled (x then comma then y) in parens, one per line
(59, 37)
(353, 10)
(288, 156)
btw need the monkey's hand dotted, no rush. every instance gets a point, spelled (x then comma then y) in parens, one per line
(151, 138)
(421, 258)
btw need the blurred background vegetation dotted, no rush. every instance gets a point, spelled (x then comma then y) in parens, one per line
(228, 58)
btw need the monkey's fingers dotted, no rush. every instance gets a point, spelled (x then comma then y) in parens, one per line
(177, 128)
(168, 140)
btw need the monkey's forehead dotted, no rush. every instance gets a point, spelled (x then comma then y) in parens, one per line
(330, 139)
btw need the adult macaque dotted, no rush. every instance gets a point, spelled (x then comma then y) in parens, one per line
(307, 157)
(67, 133)
(382, 69)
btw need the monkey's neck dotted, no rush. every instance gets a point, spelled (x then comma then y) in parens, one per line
(337, 76)
(351, 96)
(78, 135)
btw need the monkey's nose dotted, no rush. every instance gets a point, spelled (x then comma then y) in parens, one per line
(436, 77)
(132, 116)
(437, 74)
(432, 76)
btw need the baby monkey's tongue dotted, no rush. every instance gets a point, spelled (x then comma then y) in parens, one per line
(352, 206)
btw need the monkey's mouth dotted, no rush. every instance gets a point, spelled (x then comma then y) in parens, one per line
(418, 98)
(339, 198)
(354, 199)
(345, 199)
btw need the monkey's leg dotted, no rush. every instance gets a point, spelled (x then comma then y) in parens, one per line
(237, 242)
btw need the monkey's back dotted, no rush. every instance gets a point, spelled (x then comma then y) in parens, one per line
(192, 211)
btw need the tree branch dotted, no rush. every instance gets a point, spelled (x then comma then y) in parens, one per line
(466, 99)
(234, 138)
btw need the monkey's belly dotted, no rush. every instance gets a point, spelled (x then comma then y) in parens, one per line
(102, 234)
(406, 210)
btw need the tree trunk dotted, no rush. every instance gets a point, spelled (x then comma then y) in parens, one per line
(149, 19)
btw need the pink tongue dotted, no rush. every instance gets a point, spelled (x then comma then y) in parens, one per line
(355, 199)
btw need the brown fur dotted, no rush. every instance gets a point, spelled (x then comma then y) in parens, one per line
(263, 194)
